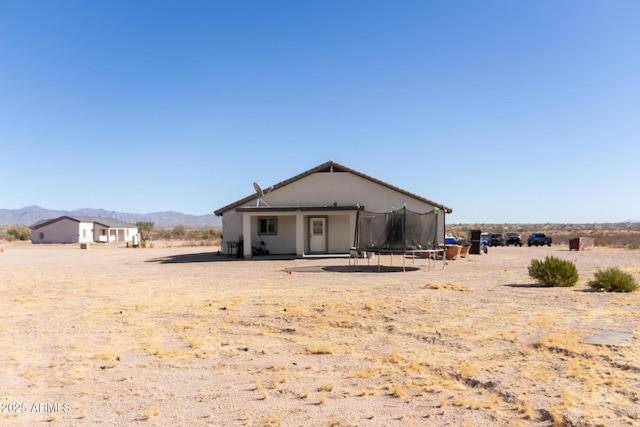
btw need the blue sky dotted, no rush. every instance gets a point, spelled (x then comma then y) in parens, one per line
(506, 111)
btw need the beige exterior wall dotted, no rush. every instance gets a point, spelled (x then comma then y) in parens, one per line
(284, 242)
(323, 188)
(63, 231)
(231, 228)
(340, 237)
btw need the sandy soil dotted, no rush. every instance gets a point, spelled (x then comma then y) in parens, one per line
(181, 336)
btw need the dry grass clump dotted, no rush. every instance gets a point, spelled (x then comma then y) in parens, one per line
(524, 407)
(152, 411)
(566, 342)
(319, 349)
(296, 310)
(326, 387)
(305, 393)
(373, 372)
(272, 420)
(447, 287)
(398, 390)
(369, 305)
(491, 402)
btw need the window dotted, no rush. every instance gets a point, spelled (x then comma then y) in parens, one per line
(267, 226)
(318, 228)
(41, 235)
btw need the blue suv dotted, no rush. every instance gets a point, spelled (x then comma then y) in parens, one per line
(539, 239)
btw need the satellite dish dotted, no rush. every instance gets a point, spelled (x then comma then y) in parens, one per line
(260, 194)
(258, 189)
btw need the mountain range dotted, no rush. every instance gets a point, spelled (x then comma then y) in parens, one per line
(32, 214)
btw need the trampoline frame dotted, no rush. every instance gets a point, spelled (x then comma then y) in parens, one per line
(431, 254)
(431, 257)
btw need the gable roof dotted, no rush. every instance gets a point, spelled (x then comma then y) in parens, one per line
(107, 222)
(329, 166)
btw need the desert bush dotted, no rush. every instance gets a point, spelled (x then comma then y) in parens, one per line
(18, 232)
(553, 272)
(179, 231)
(613, 280)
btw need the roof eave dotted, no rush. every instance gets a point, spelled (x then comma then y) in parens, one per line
(298, 208)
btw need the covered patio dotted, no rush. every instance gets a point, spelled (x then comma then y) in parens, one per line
(297, 230)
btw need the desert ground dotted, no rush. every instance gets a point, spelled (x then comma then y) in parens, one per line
(181, 336)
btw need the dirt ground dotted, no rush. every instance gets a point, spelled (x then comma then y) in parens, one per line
(183, 337)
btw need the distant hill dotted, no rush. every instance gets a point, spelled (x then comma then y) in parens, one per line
(32, 214)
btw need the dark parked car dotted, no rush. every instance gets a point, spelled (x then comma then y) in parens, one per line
(539, 239)
(512, 239)
(495, 239)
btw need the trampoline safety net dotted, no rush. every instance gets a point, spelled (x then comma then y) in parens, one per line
(400, 230)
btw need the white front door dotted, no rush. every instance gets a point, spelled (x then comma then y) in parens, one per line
(317, 237)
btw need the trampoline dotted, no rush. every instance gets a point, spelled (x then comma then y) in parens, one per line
(400, 232)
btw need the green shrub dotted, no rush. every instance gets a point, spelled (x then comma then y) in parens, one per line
(553, 272)
(613, 280)
(19, 232)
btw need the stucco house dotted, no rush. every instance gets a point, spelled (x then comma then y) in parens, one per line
(77, 229)
(314, 212)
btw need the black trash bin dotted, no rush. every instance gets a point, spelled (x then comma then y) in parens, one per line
(240, 253)
(476, 244)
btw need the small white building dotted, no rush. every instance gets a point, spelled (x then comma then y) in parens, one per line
(314, 212)
(76, 229)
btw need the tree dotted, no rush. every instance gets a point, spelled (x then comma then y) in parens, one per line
(145, 229)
